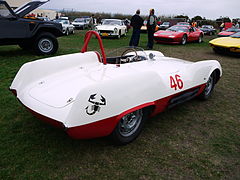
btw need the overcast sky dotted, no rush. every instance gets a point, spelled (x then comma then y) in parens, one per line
(211, 9)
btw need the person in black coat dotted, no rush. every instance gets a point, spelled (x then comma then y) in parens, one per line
(136, 23)
(151, 25)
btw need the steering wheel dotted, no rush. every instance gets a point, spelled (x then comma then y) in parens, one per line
(135, 58)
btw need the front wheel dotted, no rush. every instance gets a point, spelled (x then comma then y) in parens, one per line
(209, 87)
(200, 39)
(129, 127)
(184, 39)
(45, 44)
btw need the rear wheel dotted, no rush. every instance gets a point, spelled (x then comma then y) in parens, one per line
(45, 44)
(67, 32)
(129, 127)
(209, 87)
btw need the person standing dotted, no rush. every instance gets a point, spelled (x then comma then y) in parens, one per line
(136, 23)
(92, 22)
(151, 25)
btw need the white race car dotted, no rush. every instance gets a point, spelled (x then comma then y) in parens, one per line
(93, 96)
(112, 28)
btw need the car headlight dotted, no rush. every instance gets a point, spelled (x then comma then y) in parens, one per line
(171, 36)
(115, 30)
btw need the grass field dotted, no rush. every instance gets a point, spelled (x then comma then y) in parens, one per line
(196, 140)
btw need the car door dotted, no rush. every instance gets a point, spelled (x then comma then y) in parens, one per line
(11, 25)
(193, 34)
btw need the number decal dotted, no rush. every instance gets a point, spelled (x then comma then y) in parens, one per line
(176, 82)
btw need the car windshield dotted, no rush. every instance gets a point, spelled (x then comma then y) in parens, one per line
(61, 21)
(79, 20)
(4, 12)
(165, 23)
(111, 22)
(178, 29)
(233, 30)
(207, 26)
(182, 23)
(126, 55)
(236, 35)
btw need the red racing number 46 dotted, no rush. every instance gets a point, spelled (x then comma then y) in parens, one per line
(176, 82)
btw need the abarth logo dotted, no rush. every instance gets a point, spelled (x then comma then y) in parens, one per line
(97, 101)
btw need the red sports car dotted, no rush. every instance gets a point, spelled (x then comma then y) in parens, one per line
(179, 34)
(228, 32)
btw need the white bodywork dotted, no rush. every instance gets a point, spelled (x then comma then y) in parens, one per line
(112, 27)
(60, 87)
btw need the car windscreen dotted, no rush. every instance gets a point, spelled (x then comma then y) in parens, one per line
(233, 30)
(236, 35)
(166, 23)
(207, 27)
(111, 22)
(79, 20)
(178, 29)
(61, 21)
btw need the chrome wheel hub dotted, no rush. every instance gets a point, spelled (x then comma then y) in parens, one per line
(45, 45)
(209, 85)
(130, 123)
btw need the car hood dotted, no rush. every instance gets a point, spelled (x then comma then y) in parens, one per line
(167, 33)
(226, 42)
(28, 7)
(226, 33)
(106, 27)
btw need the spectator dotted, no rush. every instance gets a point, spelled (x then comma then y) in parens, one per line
(92, 22)
(136, 23)
(151, 25)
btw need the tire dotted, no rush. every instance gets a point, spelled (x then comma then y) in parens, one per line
(184, 39)
(200, 39)
(210, 33)
(119, 35)
(129, 127)
(45, 44)
(67, 32)
(209, 87)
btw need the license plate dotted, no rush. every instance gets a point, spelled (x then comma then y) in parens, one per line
(104, 34)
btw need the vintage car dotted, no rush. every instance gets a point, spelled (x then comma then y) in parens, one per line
(111, 28)
(208, 30)
(90, 95)
(179, 34)
(164, 25)
(144, 27)
(229, 45)
(228, 32)
(67, 27)
(81, 23)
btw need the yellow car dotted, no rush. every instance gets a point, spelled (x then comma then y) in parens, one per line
(229, 44)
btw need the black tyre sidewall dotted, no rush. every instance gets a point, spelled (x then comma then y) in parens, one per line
(49, 36)
(205, 96)
(118, 139)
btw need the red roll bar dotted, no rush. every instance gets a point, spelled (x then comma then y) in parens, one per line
(86, 41)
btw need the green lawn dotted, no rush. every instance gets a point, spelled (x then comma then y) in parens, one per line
(196, 140)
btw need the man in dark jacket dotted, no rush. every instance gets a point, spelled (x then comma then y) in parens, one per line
(151, 25)
(136, 23)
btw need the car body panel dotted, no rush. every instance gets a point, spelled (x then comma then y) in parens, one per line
(89, 98)
(28, 7)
